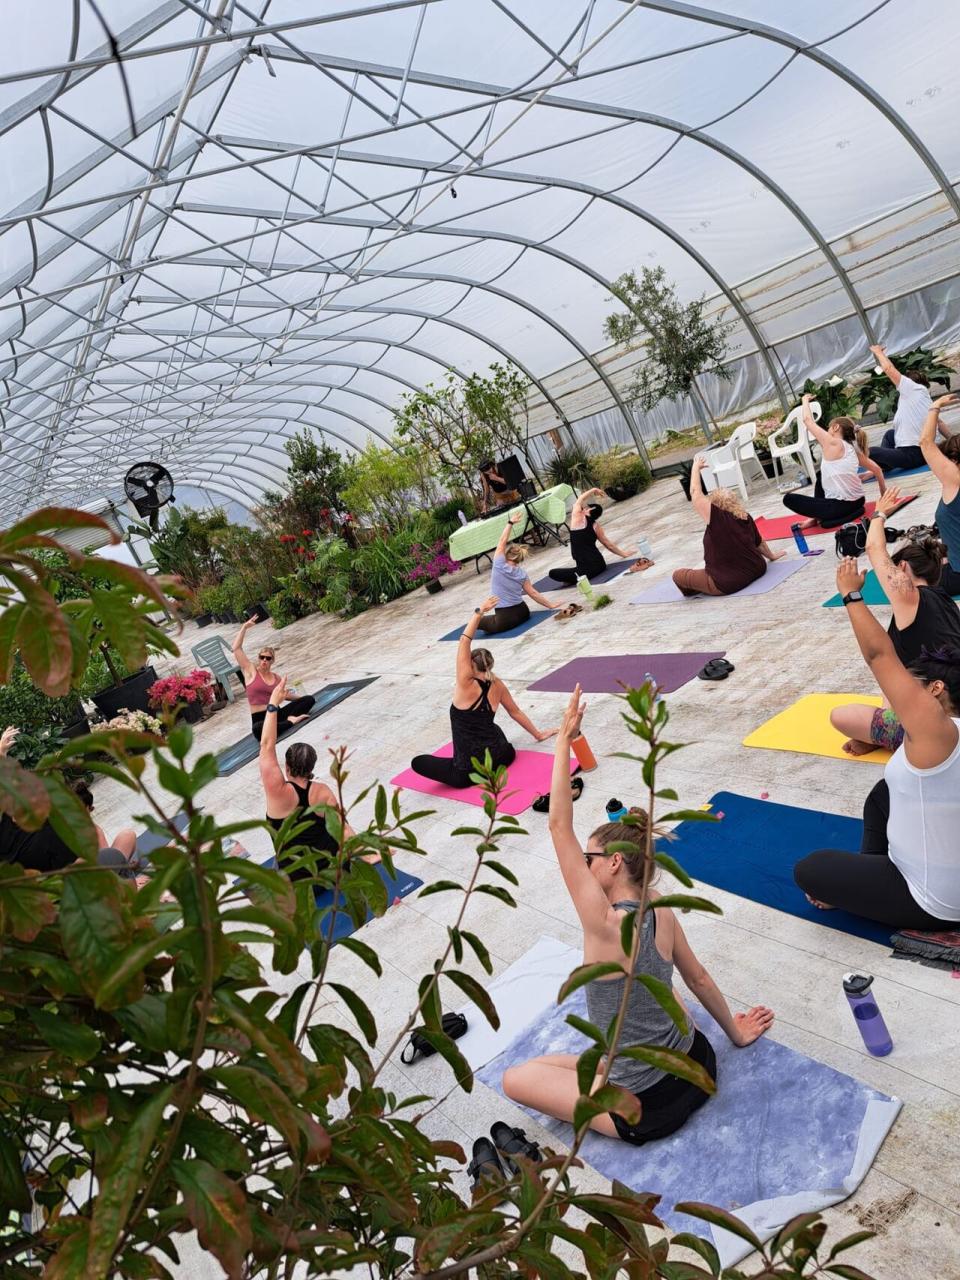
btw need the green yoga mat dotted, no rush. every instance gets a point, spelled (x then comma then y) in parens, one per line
(873, 593)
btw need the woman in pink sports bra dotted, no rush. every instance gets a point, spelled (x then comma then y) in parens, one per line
(259, 683)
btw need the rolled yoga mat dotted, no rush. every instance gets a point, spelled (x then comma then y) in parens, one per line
(754, 847)
(772, 530)
(783, 1135)
(528, 777)
(536, 617)
(614, 570)
(805, 727)
(666, 592)
(609, 674)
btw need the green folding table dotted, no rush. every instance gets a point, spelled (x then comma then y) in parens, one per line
(479, 538)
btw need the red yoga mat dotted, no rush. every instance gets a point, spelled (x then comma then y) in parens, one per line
(778, 528)
(528, 777)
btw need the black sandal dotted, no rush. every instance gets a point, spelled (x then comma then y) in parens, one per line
(716, 669)
(485, 1165)
(542, 803)
(511, 1141)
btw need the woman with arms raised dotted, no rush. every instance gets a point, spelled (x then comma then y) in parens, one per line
(944, 461)
(509, 583)
(907, 873)
(604, 886)
(260, 681)
(477, 696)
(838, 495)
(585, 533)
(734, 553)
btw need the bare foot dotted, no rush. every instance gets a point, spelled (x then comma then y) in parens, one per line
(808, 524)
(821, 906)
(296, 719)
(854, 747)
(640, 565)
(371, 857)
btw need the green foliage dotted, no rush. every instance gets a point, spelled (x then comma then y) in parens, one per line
(602, 601)
(572, 465)
(879, 393)
(155, 1084)
(186, 544)
(621, 472)
(836, 399)
(316, 480)
(680, 341)
(445, 517)
(387, 483)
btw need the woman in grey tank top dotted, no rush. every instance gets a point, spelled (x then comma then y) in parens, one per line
(604, 886)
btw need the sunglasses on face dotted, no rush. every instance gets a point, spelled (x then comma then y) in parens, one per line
(266, 657)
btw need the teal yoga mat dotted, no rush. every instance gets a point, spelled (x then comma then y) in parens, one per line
(873, 593)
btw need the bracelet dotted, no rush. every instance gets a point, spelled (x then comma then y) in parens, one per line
(879, 515)
(271, 707)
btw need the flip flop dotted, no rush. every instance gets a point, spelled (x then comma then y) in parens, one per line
(542, 803)
(639, 565)
(510, 1141)
(716, 669)
(485, 1165)
(568, 611)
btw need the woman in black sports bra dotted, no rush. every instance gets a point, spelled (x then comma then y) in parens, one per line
(476, 697)
(585, 533)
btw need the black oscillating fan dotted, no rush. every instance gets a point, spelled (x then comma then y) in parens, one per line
(149, 486)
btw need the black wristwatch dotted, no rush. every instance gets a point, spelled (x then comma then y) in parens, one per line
(271, 707)
(853, 597)
(478, 610)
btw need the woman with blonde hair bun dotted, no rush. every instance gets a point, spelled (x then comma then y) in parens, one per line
(734, 553)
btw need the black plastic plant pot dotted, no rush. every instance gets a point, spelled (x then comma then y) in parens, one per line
(203, 619)
(191, 712)
(618, 493)
(76, 729)
(434, 586)
(131, 695)
(257, 613)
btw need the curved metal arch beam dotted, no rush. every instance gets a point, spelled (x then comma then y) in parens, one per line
(805, 49)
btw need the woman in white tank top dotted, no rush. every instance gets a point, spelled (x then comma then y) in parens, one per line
(838, 495)
(907, 874)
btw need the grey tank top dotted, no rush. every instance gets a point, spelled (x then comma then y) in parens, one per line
(645, 1022)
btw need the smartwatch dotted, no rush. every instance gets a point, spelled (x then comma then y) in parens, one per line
(271, 707)
(853, 597)
(879, 515)
(478, 610)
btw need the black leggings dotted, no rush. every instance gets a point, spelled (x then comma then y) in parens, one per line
(828, 512)
(866, 883)
(442, 769)
(298, 707)
(569, 576)
(504, 619)
(892, 457)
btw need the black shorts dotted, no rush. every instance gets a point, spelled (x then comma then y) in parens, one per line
(670, 1102)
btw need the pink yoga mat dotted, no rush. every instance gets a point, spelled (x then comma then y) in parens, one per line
(779, 527)
(528, 777)
(610, 674)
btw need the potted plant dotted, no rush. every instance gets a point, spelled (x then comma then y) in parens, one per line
(879, 393)
(126, 691)
(186, 695)
(430, 564)
(621, 473)
(139, 722)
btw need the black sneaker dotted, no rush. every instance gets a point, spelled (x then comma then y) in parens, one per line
(511, 1141)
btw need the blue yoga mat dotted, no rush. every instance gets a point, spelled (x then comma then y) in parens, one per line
(753, 849)
(613, 570)
(147, 841)
(897, 474)
(343, 926)
(541, 615)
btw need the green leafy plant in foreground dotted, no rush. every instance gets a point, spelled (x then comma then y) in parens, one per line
(163, 1075)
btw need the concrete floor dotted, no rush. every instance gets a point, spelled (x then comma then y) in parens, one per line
(783, 645)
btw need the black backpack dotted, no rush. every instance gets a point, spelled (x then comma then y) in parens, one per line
(851, 539)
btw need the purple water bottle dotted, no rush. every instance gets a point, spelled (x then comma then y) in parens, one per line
(799, 539)
(869, 1018)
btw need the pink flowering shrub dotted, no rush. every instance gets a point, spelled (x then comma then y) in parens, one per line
(168, 693)
(431, 563)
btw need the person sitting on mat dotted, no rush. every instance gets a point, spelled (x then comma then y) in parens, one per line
(924, 617)
(907, 873)
(944, 462)
(259, 683)
(509, 583)
(734, 553)
(838, 494)
(293, 790)
(604, 886)
(476, 698)
(496, 490)
(585, 533)
(900, 448)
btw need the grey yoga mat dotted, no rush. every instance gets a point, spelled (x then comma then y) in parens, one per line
(665, 592)
(612, 571)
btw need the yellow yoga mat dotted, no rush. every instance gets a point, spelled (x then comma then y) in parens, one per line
(805, 727)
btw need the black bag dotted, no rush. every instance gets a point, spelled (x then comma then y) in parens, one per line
(851, 539)
(454, 1025)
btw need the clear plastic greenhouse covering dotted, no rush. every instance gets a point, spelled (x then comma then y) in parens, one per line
(226, 219)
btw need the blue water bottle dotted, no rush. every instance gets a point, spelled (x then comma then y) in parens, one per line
(616, 811)
(870, 1021)
(799, 539)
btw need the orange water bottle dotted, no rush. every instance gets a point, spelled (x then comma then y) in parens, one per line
(585, 757)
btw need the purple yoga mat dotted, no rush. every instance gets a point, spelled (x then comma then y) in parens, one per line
(665, 592)
(610, 572)
(608, 675)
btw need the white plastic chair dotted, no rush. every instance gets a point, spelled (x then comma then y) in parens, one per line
(800, 446)
(736, 463)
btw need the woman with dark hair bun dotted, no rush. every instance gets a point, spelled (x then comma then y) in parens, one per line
(907, 873)
(838, 495)
(944, 462)
(585, 533)
(924, 617)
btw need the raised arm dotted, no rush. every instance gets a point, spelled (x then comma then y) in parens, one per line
(702, 504)
(464, 661)
(581, 501)
(832, 446)
(887, 365)
(243, 662)
(513, 518)
(523, 720)
(589, 900)
(902, 592)
(931, 735)
(947, 472)
(271, 775)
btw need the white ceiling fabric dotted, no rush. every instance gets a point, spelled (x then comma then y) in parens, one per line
(289, 212)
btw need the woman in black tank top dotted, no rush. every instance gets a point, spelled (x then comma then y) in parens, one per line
(585, 533)
(476, 697)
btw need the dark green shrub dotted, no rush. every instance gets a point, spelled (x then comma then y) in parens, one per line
(879, 392)
(445, 518)
(836, 400)
(572, 465)
(621, 472)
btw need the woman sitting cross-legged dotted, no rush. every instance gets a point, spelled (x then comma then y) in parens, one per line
(734, 553)
(924, 617)
(907, 873)
(585, 533)
(838, 495)
(260, 682)
(477, 696)
(293, 790)
(944, 461)
(509, 583)
(604, 886)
